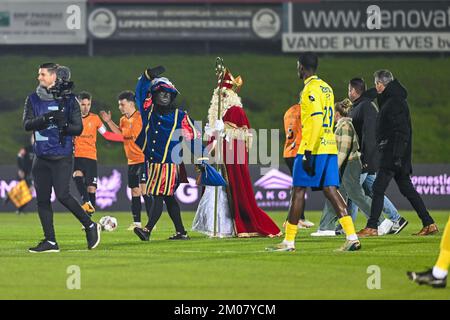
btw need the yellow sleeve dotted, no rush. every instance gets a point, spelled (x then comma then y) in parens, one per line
(316, 114)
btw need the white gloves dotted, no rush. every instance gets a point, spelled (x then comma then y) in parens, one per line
(208, 130)
(219, 125)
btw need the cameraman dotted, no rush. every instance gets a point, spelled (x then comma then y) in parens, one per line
(53, 114)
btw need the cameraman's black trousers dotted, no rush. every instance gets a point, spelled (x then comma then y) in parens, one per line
(403, 180)
(56, 174)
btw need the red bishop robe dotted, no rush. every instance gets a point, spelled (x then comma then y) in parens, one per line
(249, 219)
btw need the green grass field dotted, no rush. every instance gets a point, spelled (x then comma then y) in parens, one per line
(123, 267)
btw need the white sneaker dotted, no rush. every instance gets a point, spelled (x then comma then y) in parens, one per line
(385, 227)
(324, 233)
(134, 225)
(304, 224)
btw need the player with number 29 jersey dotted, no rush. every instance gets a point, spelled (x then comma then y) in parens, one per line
(317, 101)
(316, 164)
(318, 146)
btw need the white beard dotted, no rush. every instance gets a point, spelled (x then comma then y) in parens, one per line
(231, 99)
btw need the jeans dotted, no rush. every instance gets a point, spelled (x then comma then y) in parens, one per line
(350, 188)
(389, 209)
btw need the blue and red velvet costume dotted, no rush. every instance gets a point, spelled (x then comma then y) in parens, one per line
(161, 135)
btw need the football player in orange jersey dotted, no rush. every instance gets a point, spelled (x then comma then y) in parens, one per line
(85, 163)
(293, 130)
(130, 127)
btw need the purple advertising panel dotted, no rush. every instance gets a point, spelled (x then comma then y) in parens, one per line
(272, 190)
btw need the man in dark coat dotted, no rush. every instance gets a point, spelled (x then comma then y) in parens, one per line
(364, 116)
(394, 140)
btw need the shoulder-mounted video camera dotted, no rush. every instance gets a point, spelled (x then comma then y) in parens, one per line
(63, 86)
(60, 91)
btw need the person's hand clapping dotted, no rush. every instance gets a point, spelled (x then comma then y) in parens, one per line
(106, 116)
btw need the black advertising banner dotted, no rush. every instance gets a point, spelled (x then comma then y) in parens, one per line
(346, 26)
(187, 22)
(271, 189)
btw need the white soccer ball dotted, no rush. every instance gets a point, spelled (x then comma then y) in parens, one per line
(108, 223)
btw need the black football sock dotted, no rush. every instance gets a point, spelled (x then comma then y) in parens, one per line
(136, 208)
(92, 198)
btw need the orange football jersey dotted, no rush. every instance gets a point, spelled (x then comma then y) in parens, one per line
(85, 144)
(293, 130)
(131, 127)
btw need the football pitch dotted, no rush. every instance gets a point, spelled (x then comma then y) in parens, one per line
(123, 267)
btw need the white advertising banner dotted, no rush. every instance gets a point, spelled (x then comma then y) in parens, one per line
(42, 22)
(367, 26)
(366, 42)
